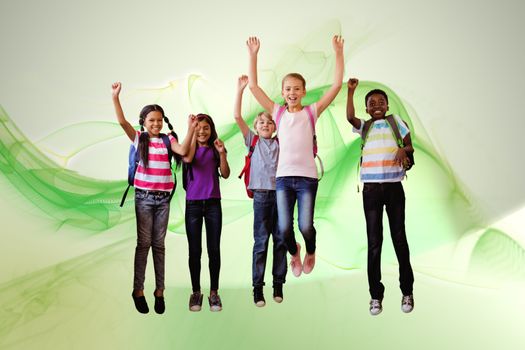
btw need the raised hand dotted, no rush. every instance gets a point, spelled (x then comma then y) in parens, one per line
(219, 146)
(352, 84)
(253, 45)
(115, 88)
(242, 82)
(338, 43)
(192, 121)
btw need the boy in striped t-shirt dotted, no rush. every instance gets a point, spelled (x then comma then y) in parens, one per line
(382, 172)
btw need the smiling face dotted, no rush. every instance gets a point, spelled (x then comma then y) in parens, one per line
(293, 91)
(376, 106)
(203, 132)
(153, 123)
(264, 126)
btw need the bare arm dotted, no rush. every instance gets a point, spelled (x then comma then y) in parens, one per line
(329, 96)
(128, 128)
(243, 81)
(350, 110)
(223, 166)
(183, 148)
(191, 152)
(261, 97)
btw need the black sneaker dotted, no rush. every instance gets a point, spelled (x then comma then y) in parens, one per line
(160, 306)
(195, 301)
(278, 293)
(140, 303)
(215, 302)
(258, 297)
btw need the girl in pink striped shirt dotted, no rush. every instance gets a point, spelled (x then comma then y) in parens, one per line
(153, 184)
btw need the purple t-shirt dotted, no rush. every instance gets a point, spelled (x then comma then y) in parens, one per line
(205, 182)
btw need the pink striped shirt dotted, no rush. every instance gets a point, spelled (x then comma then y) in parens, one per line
(157, 176)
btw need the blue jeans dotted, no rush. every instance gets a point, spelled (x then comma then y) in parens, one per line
(210, 210)
(392, 197)
(152, 211)
(264, 224)
(290, 189)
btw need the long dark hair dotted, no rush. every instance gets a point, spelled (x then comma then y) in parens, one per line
(213, 135)
(144, 136)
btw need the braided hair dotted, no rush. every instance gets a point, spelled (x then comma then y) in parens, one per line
(144, 136)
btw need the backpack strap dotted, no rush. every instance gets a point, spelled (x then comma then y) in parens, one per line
(312, 123)
(166, 139)
(250, 152)
(364, 132)
(364, 135)
(278, 117)
(124, 196)
(395, 129)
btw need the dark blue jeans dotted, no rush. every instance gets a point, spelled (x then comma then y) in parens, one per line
(290, 189)
(391, 196)
(210, 210)
(152, 211)
(264, 224)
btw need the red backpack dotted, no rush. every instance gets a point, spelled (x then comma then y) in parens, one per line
(247, 162)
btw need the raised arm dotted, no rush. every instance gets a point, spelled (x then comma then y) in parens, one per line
(350, 109)
(184, 147)
(223, 166)
(128, 128)
(329, 96)
(261, 97)
(241, 84)
(193, 146)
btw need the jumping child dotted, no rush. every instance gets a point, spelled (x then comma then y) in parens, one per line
(263, 167)
(153, 184)
(297, 178)
(206, 156)
(382, 172)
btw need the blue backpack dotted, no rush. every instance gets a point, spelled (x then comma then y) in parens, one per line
(133, 163)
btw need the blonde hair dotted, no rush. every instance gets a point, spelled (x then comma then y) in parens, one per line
(262, 115)
(294, 76)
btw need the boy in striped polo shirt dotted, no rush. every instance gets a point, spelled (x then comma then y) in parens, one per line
(382, 172)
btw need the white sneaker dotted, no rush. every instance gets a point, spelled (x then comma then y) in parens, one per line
(375, 307)
(295, 262)
(407, 303)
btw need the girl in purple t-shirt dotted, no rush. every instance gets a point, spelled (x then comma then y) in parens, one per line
(206, 157)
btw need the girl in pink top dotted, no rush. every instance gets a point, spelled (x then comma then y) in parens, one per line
(296, 170)
(153, 184)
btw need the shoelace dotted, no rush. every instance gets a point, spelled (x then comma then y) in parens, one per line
(407, 300)
(215, 299)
